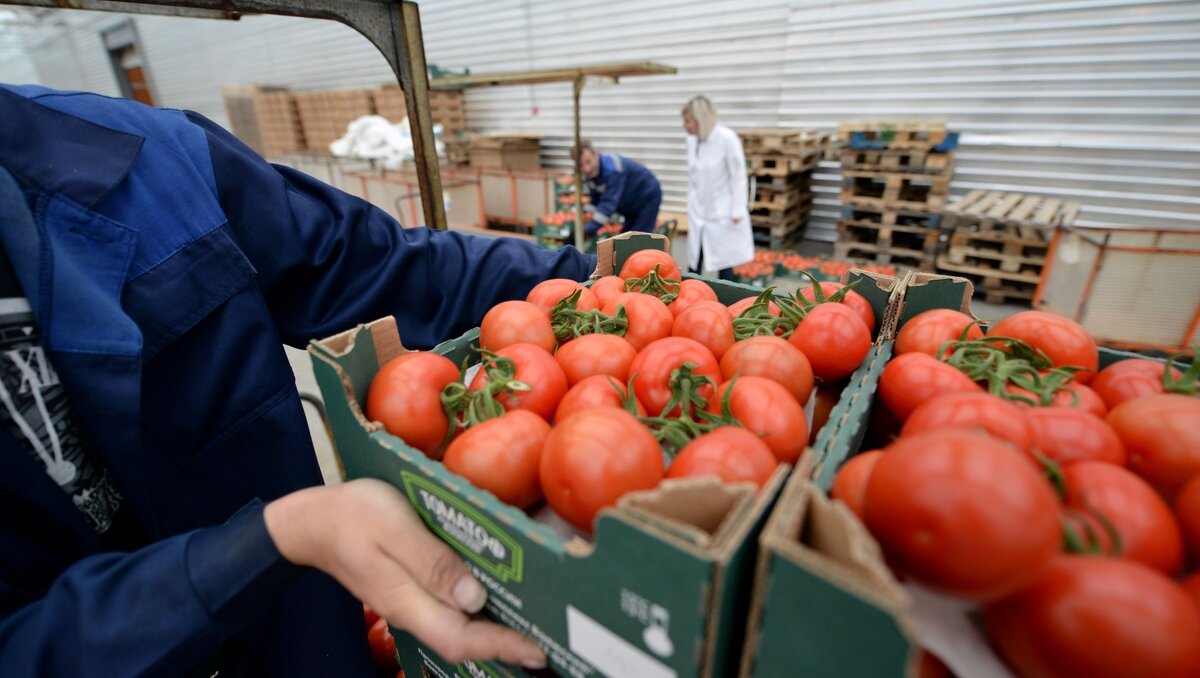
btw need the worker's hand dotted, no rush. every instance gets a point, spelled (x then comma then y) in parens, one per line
(365, 535)
(737, 220)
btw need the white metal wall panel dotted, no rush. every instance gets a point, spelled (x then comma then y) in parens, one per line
(1092, 100)
(1096, 101)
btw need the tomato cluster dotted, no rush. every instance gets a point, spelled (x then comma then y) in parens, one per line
(1063, 499)
(585, 393)
(795, 264)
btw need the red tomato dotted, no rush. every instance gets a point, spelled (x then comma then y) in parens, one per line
(405, 396)
(607, 288)
(1129, 379)
(982, 411)
(773, 358)
(1191, 586)
(1162, 437)
(583, 471)
(1063, 340)
(1187, 513)
(1067, 435)
(929, 331)
(643, 261)
(1143, 520)
(369, 616)
(654, 365)
(732, 454)
(535, 368)
(1098, 617)
(1072, 394)
(961, 513)
(850, 483)
(594, 354)
(769, 411)
(383, 646)
(594, 391)
(910, 380)
(824, 402)
(649, 318)
(740, 306)
(834, 339)
(502, 456)
(516, 322)
(708, 322)
(546, 294)
(691, 291)
(853, 300)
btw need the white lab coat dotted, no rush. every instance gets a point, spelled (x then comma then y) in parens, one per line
(717, 192)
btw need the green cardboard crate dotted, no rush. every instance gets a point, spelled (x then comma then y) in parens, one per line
(825, 603)
(661, 590)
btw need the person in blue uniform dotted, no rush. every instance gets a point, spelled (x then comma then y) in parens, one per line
(618, 185)
(161, 508)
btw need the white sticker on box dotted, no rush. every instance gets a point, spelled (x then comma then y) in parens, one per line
(609, 653)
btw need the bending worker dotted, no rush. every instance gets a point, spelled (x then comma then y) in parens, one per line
(618, 185)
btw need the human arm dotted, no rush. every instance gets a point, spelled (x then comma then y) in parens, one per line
(163, 608)
(327, 260)
(735, 164)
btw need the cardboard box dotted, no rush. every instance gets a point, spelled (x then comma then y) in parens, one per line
(264, 118)
(325, 115)
(663, 574)
(661, 590)
(506, 151)
(824, 601)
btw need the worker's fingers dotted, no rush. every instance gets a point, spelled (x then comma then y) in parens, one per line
(458, 638)
(406, 540)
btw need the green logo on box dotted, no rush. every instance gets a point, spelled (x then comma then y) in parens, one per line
(465, 528)
(473, 670)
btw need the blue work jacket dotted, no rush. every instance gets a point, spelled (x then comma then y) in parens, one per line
(623, 186)
(166, 264)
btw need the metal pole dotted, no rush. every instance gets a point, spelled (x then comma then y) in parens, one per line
(414, 80)
(578, 89)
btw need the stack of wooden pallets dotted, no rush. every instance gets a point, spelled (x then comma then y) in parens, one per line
(895, 181)
(999, 241)
(780, 162)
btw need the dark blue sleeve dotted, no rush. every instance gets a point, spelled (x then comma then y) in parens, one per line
(156, 611)
(610, 201)
(327, 260)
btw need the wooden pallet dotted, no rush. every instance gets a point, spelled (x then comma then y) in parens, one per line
(894, 190)
(890, 217)
(897, 161)
(897, 135)
(778, 240)
(784, 141)
(781, 220)
(997, 287)
(910, 240)
(1024, 215)
(994, 250)
(779, 201)
(782, 165)
(881, 255)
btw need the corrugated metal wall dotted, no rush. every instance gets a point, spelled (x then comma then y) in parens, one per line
(1097, 101)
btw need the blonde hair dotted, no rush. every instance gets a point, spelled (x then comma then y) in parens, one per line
(703, 112)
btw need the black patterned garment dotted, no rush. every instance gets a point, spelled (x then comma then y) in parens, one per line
(35, 411)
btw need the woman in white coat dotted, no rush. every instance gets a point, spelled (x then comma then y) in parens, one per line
(719, 235)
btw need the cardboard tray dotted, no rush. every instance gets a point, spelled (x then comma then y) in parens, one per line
(824, 602)
(662, 589)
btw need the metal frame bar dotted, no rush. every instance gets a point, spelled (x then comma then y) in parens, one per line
(393, 26)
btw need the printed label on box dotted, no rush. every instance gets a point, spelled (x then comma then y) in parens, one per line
(466, 528)
(611, 654)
